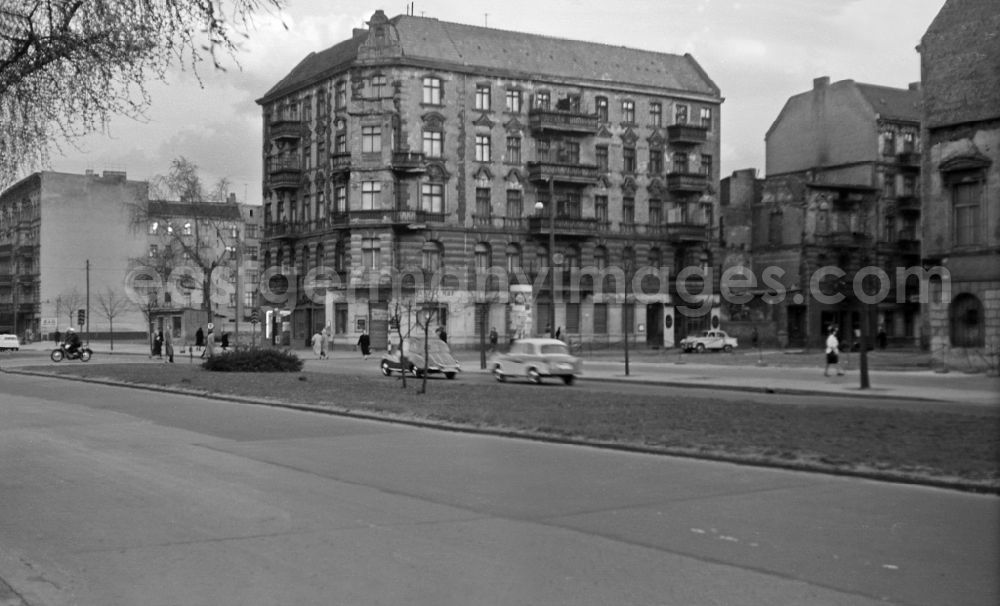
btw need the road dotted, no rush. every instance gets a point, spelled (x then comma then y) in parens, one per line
(113, 496)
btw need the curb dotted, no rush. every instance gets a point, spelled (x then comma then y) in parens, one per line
(805, 467)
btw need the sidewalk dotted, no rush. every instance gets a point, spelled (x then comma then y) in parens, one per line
(800, 373)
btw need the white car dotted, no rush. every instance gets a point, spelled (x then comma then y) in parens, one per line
(8, 342)
(709, 340)
(535, 359)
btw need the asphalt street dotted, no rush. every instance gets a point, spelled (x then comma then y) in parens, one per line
(114, 496)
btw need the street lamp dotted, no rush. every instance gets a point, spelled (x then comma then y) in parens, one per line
(552, 247)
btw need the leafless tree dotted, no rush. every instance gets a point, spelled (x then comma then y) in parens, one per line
(68, 303)
(112, 304)
(67, 66)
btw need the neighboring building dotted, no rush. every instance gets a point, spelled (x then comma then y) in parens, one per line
(194, 247)
(841, 190)
(739, 194)
(51, 225)
(426, 145)
(960, 73)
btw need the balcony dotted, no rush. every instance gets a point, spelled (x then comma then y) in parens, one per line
(538, 225)
(686, 182)
(843, 239)
(509, 224)
(908, 203)
(413, 163)
(284, 173)
(412, 219)
(340, 162)
(681, 233)
(562, 121)
(287, 130)
(584, 174)
(686, 134)
(910, 159)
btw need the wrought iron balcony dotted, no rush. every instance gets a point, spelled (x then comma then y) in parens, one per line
(284, 173)
(539, 225)
(340, 162)
(686, 134)
(695, 232)
(562, 121)
(561, 172)
(686, 182)
(409, 162)
(282, 129)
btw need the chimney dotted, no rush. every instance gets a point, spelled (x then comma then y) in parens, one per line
(821, 82)
(232, 198)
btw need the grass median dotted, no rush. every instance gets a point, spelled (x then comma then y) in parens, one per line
(957, 448)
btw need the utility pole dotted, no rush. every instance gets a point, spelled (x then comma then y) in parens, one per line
(88, 301)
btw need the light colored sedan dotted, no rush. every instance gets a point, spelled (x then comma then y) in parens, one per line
(536, 359)
(8, 341)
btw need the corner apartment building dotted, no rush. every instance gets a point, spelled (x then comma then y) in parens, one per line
(438, 147)
(959, 59)
(51, 225)
(842, 189)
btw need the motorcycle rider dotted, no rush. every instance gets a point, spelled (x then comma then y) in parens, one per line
(72, 342)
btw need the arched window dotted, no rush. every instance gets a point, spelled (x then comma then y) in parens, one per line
(572, 257)
(340, 256)
(433, 253)
(484, 256)
(655, 257)
(600, 257)
(966, 318)
(513, 257)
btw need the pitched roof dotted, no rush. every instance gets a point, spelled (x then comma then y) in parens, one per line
(892, 103)
(481, 48)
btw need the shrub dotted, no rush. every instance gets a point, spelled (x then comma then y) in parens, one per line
(247, 359)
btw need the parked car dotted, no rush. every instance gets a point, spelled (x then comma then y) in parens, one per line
(709, 340)
(439, 356)
(8, 342)
(536, 359)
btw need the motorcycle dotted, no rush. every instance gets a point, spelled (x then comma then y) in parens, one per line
(62, 352)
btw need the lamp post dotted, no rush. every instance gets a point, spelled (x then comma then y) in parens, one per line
(552, 247)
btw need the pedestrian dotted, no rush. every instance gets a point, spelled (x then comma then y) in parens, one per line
(199, 338)
(324, 343)
(833, 353)
(365, 343)
(882, 338)
(158, 344)
(559, 332)
(209, 343)
(754, 337)
(58, 337)
(225, 341)
(443, 334)
(494, 337)
(317, 344)
(168, 345)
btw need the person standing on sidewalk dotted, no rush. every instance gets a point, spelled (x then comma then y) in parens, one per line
(833, 353)
(168, 345)
(365, 343)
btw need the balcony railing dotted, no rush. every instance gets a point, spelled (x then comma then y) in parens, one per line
(409, 162)
(563, 121)
(686, 134)
(908, 158)
(340, 162)
(564, 226)
(687, 232)
(287, 129)
(686, 182)
(562, 172)
(844, 239)
(284, 172)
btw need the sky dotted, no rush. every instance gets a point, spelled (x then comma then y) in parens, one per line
(759, 53)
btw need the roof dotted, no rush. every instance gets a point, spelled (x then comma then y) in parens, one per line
(475, 48)
(892, 103)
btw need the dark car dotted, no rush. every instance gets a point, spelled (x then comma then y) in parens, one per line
(439, 358)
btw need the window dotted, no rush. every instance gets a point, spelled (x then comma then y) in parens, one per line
(543, 100)
(515, 203)
(320, 104)
(513, 257)
(483, 153)
(680, 114)
(628, 210)
(433, 143)
(378, 86)
(340, 199)
(340, 256)
(189, 229)
(656, 114)
(514, 150)
(600, 318)
(909, 185)
(680, 163)
(431, 254)
(966, 318)
(371, 139)
(655, 161)
(601, 208)
(706, 117)
(340, 142)
(340, 95)
(154, 250)
(483, 97)
(966, 199)
(340, 318)
(602, 108)
(628, 159)
(888, 143)
(600, 257)
(570, 206)
(909, 142)
(512, 101)
(655, 257)
(484, 256)
(542, 150)
(655, 211)
(889, 185)
(432, 197)
(370, 193)
(602, 158)
(628, 111)
(370, 253)
(483, 207)
(569, 152)
(706, 165)
(432, 90)
(890, 230)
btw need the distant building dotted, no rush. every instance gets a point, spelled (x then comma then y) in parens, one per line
(739, 194)
(841, 190)
(960, 72)
(424, 145)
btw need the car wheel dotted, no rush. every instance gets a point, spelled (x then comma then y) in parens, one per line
(498, 374)
(700, 348)
(728, 349)
(568, 379)
(449, 375)
(386, 371)
(534, 375)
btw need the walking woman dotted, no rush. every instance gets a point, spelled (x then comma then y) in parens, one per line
(365, 343)
(833, 353)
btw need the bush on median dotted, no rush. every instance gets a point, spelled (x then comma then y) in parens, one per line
(254, 360)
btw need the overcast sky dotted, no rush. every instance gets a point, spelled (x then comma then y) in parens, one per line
(759, 53)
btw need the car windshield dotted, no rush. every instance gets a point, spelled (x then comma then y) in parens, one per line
(555, 349)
